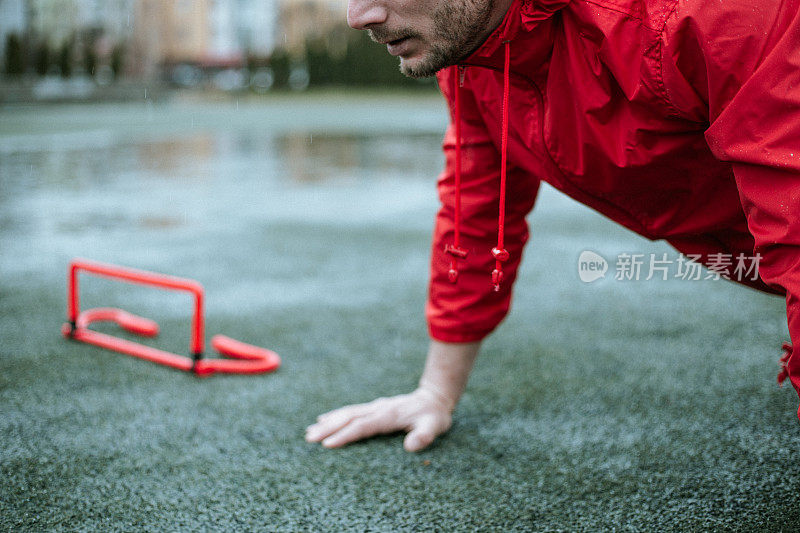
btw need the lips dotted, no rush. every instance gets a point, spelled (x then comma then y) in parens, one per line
(398, 46)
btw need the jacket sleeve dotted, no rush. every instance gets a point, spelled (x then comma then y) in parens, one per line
(758, 131)
(470, 309)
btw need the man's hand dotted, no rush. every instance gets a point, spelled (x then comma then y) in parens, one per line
(422, 414)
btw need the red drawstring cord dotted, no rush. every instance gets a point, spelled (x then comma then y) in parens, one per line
(787, 353)
(500, 253)
(455, 249)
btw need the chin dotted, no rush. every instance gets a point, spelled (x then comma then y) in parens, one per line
(417, 67)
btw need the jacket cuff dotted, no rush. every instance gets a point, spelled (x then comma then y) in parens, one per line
(446, 335)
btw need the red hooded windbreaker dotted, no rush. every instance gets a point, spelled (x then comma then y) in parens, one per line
(679, 119)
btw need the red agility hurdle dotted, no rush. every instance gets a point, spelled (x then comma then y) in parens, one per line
(247, 359)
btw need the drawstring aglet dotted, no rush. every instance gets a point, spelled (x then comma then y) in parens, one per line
(452, 275)
(784, 363)
(497, 279)
(500, 255)
(456, 252)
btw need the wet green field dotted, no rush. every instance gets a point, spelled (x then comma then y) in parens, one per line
(631, 405)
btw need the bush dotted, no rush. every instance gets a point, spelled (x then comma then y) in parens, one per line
(42, 59)
(117, 60)
(281, 65)
(65, 59)
(322, 68)
(89, 59)
(361, 63)
(14, 61)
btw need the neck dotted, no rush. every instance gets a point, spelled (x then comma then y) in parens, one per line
(498, 13)
(499, 8)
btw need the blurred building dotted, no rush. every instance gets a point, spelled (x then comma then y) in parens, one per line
(239, 27)
(101, 24)
(158, 34)
(169, 32)
(259, 26)
(59, 20)
(302, 20)
(202, 32)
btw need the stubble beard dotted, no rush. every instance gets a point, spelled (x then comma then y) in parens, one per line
(458, 26)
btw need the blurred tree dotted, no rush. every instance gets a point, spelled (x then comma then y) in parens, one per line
(343, 57)
(117, 60)
(365, 62)
(42, 59)
(281, 63)
(322, 68)
(65, 59)
(14, 61)
(89, 58)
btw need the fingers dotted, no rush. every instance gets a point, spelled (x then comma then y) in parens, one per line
(334, 421)
(422, 416)
(424, 431)
(361, 428)
(355, 410)
(321, 430)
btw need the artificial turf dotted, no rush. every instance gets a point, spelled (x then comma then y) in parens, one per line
(615, 405)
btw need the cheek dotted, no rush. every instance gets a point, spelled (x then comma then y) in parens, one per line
(420, 16)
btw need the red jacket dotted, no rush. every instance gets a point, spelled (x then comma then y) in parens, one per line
(678, 119)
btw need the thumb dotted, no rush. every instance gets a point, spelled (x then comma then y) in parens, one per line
(422, 434)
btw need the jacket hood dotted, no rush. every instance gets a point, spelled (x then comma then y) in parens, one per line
(522, 15)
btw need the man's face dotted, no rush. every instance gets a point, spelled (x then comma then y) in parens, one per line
(427, 35)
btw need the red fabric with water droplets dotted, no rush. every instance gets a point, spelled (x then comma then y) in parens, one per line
(679, 120)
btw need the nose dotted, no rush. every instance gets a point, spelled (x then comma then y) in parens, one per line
(361, 14)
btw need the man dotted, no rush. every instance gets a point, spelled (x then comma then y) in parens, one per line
(679, 119)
